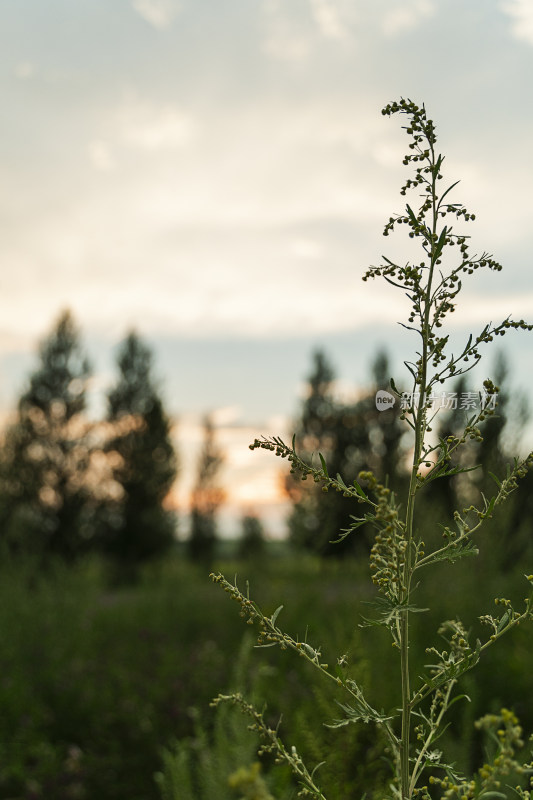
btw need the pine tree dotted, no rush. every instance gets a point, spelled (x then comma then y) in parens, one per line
(206, 498)
(137, 524)
(494, 453)
(315, 432)
(45, 504)
(352, 437)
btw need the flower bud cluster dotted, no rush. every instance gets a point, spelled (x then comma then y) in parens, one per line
(453, 631)
(248, 608)
(499, 624)
(433, 299)
(388, 553)
(493, 776)
(510, 483)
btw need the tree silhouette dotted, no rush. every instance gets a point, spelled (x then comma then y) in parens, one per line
(352, 437)
(206, 498)
(315, 432)
(137, 524)
(44, 500)
(494, 453)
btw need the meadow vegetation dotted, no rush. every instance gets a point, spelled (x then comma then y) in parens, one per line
(101, 687)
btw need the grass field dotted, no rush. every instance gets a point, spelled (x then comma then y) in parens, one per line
(95, 679)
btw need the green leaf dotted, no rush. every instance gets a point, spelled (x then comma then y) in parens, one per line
(361, 713)
(496, 480)
(357, 522)
(320, 764)
(449, 189)
(444, 472)
(440, 244)
(340, 674)
(412, 216)
(274, 616)
(360, 491)
(324, 467)
(503, 622)
(452, 553)
(340, 481)
(459, 697)
(467, 346)
(388, 611)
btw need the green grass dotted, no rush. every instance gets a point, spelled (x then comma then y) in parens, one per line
(96, 681)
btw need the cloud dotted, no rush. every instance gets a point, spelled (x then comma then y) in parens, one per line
(158, 13)
(328, 19)
(286, 39)
(406, 17)
(521, 12)
(292, 36)
(150, 127)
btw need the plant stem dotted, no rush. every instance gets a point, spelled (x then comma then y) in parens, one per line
(404, 621)
(420, 425)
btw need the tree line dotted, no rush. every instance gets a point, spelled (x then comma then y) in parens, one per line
(70, 486)
(357, 436)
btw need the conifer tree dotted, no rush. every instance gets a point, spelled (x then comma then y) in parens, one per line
(206, 498)
(138, 526)
(351, 437)
(315, 433)
(44, 499)
(487, 458)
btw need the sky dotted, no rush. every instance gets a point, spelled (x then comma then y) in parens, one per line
(216, 174)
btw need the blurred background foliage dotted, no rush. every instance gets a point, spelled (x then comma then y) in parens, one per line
(113, 641)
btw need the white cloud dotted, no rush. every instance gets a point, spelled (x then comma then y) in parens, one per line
(407, 16)
(158, 13)
(328, 20)
(151, 128)
(521, 12)
(292, 34)
(285, 38)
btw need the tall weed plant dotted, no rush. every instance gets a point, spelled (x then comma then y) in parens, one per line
(400, 562)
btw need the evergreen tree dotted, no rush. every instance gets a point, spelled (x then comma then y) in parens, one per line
(206, 498)
(351, 437)
(494, 453)
(137, 524)
(315, 432)
(45, 505)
